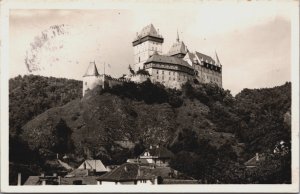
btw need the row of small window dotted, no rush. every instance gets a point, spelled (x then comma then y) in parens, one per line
(184, 78)
(163, 72)
(212, 79)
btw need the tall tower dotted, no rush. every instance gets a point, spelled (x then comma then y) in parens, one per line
(145, 44)
(91, 78)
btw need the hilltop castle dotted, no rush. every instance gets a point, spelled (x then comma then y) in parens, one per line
(172, 70)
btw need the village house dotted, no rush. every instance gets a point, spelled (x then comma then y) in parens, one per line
(255, 161)
(127, 174)
(157, 155)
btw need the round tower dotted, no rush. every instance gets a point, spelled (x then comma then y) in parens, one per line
(91, 78)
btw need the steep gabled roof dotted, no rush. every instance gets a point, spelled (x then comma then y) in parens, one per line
(177, 48)
(205, 58)
(94, 165)
(91, 70)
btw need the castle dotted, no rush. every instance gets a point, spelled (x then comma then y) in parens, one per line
(172, 70)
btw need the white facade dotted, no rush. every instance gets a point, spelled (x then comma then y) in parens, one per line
(143, 51)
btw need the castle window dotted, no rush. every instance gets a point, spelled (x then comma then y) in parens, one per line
(163, 72)
(139, 59)
(174, 78)
(157, 77)
(169, 72)
(163, 77)
(85, 83)
(157, 71)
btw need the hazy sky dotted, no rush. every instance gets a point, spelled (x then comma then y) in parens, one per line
(252, 39)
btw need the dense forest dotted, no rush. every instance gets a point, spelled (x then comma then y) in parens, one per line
(210, 132)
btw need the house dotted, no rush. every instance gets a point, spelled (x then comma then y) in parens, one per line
(95, 166)
(43, 180)
(255, 161)
(79, 177)
(157, 155)
(127, 174)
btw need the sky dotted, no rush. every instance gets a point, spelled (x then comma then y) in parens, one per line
(252, 38)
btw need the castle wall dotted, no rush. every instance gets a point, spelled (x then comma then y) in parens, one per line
(169, 78)
(206, 75)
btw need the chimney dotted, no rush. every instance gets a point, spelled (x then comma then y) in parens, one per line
(19, 179)
(139, 170)
(257, 157)
(59, 180)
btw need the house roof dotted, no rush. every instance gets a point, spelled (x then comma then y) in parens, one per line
(254, 162)
(91, 70)
(87, 180)
(126, 172)
(93, 164)
(140, 160)
(33, 180)
(178, 48)
(167, 59)
(160, 152)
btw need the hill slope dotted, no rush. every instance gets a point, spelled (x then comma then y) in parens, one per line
(201, 123)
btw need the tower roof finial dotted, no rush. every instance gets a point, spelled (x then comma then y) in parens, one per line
(177, 36)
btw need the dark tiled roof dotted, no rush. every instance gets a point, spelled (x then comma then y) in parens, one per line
(177, 48)
(86, 180)
(91, 70)
(203, 57)
(168, 60)
(125, 172)
(160, 151)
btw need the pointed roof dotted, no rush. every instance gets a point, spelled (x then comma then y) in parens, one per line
(148, 31)
(217, 59)
(91, 70)
(93, 165)
(177, 48)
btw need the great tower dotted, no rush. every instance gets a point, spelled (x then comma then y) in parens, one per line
(145, 44)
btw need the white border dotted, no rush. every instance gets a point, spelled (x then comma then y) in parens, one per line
(128, 4)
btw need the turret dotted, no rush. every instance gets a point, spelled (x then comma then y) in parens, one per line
(91, 78)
